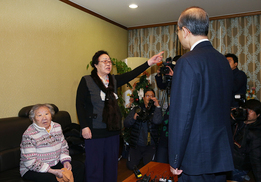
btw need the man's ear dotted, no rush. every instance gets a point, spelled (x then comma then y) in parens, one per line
(236, 64)
(186, 31)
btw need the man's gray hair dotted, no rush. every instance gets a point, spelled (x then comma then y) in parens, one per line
(195, 19)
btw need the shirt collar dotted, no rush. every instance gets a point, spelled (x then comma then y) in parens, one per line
(105, 81)
(42, 128)
(196, 43)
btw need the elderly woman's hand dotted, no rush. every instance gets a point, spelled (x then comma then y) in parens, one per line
(155, 59)
(67, 165)
(57, 172)
(86, 133)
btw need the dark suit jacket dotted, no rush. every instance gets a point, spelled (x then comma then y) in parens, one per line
(200, 136)
(239, 85)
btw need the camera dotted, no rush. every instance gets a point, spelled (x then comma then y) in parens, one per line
(169, 62)
(144, 113)
(164, 70)
(240, 113)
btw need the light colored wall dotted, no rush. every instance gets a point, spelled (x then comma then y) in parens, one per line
(45, 46)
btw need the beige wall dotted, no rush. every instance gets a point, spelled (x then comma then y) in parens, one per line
(45, 46)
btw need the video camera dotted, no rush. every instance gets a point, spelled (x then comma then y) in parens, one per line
(144, 113)
(164, 69)
(169, 62)
(240, 113)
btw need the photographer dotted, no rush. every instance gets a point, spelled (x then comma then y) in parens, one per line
(165, 73)
(162, 154)
(144, 130)
(162, 84)
(247, 142)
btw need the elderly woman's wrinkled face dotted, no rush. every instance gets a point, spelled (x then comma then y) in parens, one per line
(104, 65)
(43, 117)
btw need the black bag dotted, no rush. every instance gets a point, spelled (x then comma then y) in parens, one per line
(73, 136)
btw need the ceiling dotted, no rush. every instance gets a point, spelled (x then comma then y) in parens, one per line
(152, 12)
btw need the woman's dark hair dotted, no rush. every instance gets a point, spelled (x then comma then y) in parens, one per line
(254, 105)
(96, 57)
(195, 19)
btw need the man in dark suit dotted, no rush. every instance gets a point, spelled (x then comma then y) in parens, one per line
(239, 76)
(200, 136)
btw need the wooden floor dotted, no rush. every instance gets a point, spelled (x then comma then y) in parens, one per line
(123, 171)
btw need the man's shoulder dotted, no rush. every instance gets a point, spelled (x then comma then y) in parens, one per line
(203, 55)
(239, 72)
(242, 72)
(203, 48)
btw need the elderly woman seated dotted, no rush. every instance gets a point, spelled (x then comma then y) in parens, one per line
(44, 151)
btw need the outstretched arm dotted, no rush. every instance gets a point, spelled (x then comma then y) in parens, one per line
(126, 77)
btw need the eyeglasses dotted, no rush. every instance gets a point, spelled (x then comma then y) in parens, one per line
(106, 61)
(177, 30)
(149, 96)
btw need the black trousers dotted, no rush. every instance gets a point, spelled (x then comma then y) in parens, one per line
(162, 154)
(77, 170)
(146, 153)
(101, 163)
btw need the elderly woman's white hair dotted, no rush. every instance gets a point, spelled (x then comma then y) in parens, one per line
(37, 106)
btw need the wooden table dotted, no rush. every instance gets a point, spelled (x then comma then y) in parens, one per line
(154, 169)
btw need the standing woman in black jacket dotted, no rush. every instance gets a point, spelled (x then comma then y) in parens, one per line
(247, 143)
(99, 115)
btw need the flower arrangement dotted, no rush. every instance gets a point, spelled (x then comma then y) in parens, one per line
(251, 93)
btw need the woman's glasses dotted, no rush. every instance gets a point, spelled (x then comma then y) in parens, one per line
(106, 61)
